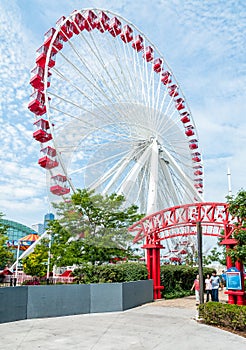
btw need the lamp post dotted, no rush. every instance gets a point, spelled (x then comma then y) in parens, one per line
(200, 268)
(17, 263)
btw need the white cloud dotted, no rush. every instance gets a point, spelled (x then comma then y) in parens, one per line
(22, 184)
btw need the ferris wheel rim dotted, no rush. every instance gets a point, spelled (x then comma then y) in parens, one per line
(138, 30)
(47, 69)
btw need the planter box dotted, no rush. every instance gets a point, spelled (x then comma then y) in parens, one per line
(13, 304)
(58, 300)
(26, 302)
(137, 293)
(108, 297)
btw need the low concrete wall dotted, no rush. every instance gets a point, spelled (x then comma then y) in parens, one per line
(13, 304)
(137, 293)
(26, 302)
(106, 297)
(58, 300)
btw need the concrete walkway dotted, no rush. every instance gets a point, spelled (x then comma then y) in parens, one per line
(158, 325)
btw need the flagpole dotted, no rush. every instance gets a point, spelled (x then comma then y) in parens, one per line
(229, 182)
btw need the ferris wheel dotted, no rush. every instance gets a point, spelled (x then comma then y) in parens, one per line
(111, 116)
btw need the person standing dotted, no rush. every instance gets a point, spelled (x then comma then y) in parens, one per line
(208, 287)
(215, 281)
(196, 286)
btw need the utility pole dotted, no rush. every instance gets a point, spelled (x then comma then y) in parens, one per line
(200, 267)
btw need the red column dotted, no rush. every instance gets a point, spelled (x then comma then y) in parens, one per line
(153, 266)
(241, 296)
(228, 258)
(234, 296)
(229, 264)
(229, 243)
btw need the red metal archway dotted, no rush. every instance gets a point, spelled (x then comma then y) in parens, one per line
(180, 221)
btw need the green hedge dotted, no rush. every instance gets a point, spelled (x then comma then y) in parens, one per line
(178, 280)
(224, 315)
(124, 272)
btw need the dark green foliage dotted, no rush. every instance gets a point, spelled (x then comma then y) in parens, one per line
(178, 279)
(224, 315)
(177, 294)
(237, 208)
(237, 205)
(6, 256)
(124, 272)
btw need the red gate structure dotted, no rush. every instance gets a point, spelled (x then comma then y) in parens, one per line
(181, 221)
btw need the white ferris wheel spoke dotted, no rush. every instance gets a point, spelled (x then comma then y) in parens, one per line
(100, 162)
(180, 173)
(131, 177)
(116, 171)
(153, 179)
(169, 181)
(88, 80)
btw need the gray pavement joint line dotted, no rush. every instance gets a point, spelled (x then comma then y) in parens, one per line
(106, 330)
(157, 345)
(24, 336)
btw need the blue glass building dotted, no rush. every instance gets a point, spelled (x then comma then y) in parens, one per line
(47, 218)
(15, 231)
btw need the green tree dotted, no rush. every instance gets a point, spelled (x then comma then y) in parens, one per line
(90, 228)
(237, 208)
(216, 255)
(6, 256)
(35, 264)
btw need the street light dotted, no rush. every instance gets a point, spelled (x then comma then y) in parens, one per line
(200, 267)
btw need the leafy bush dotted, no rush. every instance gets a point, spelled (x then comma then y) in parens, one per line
(224, 315)
(124, 272)
(178, 279)
(33, 282)
(179, 294)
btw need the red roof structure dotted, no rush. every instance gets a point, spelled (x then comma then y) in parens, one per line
(67, 273)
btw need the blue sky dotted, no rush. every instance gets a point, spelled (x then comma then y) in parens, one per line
(204, 44)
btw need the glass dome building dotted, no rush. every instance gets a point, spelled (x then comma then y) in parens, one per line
(16, 231)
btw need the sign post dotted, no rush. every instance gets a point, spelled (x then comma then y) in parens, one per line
(233, 279)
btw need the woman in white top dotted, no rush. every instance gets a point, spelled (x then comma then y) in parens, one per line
(208, 287)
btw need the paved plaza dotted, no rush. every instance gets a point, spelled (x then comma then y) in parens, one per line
(164, 324)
